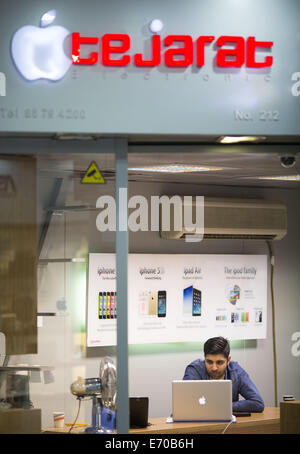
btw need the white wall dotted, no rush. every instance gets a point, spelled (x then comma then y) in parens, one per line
(152, 367)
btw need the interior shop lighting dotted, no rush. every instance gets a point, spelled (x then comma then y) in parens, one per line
(175, 168)
(282, 178)
(66, 260)
(238, 139)
(74, 137)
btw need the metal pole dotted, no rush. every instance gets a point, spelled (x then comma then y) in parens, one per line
(122, 279)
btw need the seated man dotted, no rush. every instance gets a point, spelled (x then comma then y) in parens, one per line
(217, 366)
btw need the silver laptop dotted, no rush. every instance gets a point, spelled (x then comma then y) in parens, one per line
(202, 400)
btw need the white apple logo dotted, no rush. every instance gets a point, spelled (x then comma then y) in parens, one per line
(38, 51)
(202, 400)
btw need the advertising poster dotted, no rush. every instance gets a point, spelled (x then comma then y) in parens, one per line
(179, 298)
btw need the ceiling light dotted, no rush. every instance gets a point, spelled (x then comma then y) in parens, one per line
(238, 139)
(66, 260)
(282, 178)
(74, 137)
(175, 168)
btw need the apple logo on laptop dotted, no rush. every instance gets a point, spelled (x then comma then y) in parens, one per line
(202, 400)
(38, 52)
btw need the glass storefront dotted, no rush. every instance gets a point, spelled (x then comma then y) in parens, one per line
(50, 224)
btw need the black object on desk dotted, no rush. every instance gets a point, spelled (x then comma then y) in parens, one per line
(241, 413)
(138, 410)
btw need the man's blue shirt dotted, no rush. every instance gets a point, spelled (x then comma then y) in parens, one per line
(241, 385)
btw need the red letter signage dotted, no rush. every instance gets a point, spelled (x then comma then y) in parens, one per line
(251, 46)
(139, 60)
(238, 53)
(108, 49)
(76, 41)
(180, 56)
(201, 48)
(186, 51)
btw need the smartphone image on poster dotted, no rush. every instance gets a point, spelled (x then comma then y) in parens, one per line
(100, 307)
(188, 300)
(258, 316)
(112, 304)
(115, 305)
(196, 302)
(108, 307)
(161, 303)
(152, 303)
(143, 303)
(103, 305)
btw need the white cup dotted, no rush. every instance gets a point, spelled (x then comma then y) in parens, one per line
(59, 419)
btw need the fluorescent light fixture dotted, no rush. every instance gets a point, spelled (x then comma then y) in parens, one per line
(175, 168)
(74, 137)
(282, 178)
(238, 139)
(66, 260)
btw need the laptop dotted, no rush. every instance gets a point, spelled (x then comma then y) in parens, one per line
(202, 400)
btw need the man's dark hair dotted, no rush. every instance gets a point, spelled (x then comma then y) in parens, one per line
(217, 346)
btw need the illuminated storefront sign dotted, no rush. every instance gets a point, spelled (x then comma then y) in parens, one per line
(38, 52)
(244, 52)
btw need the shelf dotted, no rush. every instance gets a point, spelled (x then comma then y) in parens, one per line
(25, 368)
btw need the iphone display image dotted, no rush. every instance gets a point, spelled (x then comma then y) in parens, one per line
(104, 304)
(114, 310)
(152, 303)
(258, 316)
(162, 303)
(112, 305)
(107, 305)
(143, 303)
(100, 307)
(234, 317)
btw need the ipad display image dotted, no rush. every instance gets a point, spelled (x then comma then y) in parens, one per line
(188, 300)
(196, 302)
(162, 303)
(192, 301)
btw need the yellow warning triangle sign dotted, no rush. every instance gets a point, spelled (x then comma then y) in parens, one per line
(92, 175)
